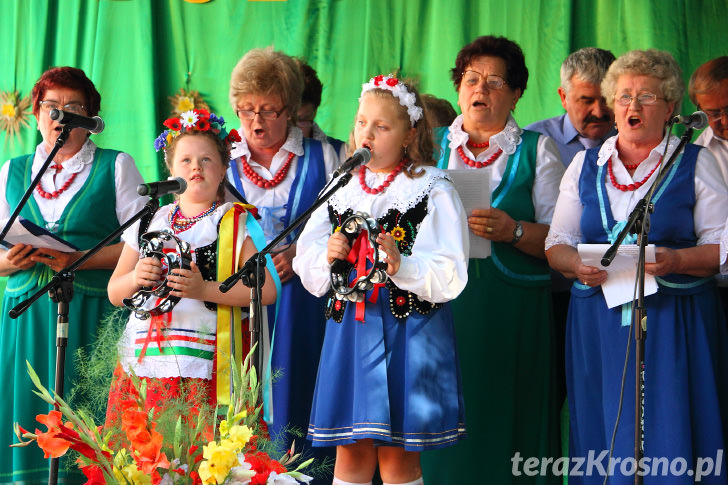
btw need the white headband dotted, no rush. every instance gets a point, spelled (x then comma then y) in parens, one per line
(399, 90)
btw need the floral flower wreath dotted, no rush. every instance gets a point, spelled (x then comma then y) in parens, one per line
(399, 90)
(199, 120)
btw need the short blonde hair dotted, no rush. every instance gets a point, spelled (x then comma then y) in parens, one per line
(267, 72)
(651, 62)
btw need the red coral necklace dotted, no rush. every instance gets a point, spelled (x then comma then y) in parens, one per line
(265, 183)
(385, 184)
(55, 193)
(630, 187)
(475, 164)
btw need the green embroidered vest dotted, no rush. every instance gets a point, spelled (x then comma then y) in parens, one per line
(513, 195)
(87, 219)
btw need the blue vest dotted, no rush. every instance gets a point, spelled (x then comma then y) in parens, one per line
(671, 224)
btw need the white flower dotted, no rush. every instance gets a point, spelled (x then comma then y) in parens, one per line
(282, 479)
(188, 119)
(241, 475)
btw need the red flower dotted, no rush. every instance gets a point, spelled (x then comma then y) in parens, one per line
(173, 124)
(233, 136)
(378, 80)
(145, 441)
(262, 465)
(392, 81)
(94, 474)
(202, 113)
(59, 437)
(203, 124)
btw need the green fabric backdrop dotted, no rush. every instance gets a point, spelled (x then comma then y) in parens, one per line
(138, 52)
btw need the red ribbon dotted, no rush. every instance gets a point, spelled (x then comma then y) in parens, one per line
(155, 333)
(360, 252)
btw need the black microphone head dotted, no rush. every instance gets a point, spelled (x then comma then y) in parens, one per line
(56, 114)
(99, 125)
(701, 120)
(364, 153)
(182, 184)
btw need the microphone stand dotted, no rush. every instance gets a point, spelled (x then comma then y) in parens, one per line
(252, 274)
(639, 223)
(60, 288)
(60, 141)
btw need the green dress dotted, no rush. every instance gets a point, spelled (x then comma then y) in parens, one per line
(504, 329)
(88, 218)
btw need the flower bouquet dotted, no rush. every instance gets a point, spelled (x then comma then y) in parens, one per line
(147, 450)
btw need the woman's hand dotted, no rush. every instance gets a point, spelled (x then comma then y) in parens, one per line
(187, 283)
(56, 260)
(283, 263)
(666, 261)
(492, 224)
(19, 258)
(589, 275)
(147, 272)
(388, 245)
(337, 247)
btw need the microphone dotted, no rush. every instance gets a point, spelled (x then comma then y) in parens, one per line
(173, 185)
(95, 125)
(697, 120)
(361, 156)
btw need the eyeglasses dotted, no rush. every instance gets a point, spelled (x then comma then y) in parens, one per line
(249, 114)
(473, 78)
(76, 108)
(645, 99)
(716, 114)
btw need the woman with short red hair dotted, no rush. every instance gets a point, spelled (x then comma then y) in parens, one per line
(85, 194)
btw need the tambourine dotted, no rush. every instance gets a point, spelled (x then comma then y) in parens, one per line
(341, 270)
(156, 300)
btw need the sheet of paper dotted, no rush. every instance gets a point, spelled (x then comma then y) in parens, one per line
(473, 187)
(619, 287)
(25, 232)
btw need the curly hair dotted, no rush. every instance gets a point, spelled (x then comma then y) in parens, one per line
(420, 151)
(267, 72)
(488, 45)
(651, 62)
(69, 78)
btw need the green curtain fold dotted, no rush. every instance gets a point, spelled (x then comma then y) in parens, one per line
(139, 52)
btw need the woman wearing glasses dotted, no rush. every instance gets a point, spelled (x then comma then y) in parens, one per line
(503, 317)
(686, 351)
(279, 171)
(73, 201)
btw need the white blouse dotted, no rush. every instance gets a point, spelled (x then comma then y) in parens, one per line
(192, 324)
(437, 268)
(126, 178)
(276, 197)
(711, 205)
(549, 168)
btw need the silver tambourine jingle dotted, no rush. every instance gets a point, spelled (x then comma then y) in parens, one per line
(341, 271)
(156, 300)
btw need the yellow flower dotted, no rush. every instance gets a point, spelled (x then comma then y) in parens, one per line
(398, 233)
(131, 474)
(224, 428)
(240, 435)
(185, 103)
(220, 459)
(8, 110)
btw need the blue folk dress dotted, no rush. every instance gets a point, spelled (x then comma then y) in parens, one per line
(392, 376)
(686, 347)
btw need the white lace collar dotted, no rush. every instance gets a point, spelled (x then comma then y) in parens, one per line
(75, 164)
(403, 194)
(609, 149)
(293, 144)
(508, 139)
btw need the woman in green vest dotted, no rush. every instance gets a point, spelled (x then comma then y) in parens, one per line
(503, 318)
(86, 193)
